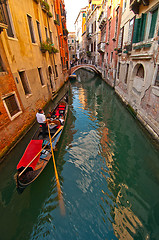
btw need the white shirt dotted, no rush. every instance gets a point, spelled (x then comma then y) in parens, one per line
(40, 117)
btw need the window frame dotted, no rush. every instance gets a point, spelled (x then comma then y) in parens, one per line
(31, 27)
(26, 83)
(9, 19)
(39, 30)
(17, 102)
(41, 76)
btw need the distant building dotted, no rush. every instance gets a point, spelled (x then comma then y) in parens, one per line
(72, 46)
(80, 30)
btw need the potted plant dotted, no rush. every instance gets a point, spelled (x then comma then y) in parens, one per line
(50, 14)
(43, 47)
(45, 5)
(56, 22)
(55, 50)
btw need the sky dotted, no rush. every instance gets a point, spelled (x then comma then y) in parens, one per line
(72, 8)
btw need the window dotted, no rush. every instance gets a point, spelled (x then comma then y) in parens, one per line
(68, 40)
(109, 28)
(140, 71)
(92, 28)
(10, 30)
(157, 78)
(91, 47)
(1, 65)
(118, 72)
(46, 32)
(25, 82)
(72, 41)
(95, 46)
(12, 105)
(39, 31)
(144, 27)
(51, 38)
(126, 75)
(153, 23)
(111, 57)
(41, 76)
(56, 71)
(95, 26)
(31, 28)
(124, 5)
(57, 18)
(120, 41)
(130, 33)
(116, 23)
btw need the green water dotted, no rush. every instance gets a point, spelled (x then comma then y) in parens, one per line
(108, 170)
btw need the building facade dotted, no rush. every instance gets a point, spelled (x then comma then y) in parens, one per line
(72, 47)
(80, 30)
(137, 80)
(30, 63)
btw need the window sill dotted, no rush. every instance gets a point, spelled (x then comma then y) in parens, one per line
(3, 74)
(35, 44)
(15, 116)
(28, 95)
(155, 90)
(13, 38)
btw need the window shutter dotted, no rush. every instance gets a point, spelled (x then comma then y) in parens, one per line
(153, 23)
(143, 24)
(136, 30)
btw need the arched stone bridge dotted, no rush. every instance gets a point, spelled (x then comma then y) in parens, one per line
(85, 66)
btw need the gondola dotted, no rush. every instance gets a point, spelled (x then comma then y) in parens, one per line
(38, 151)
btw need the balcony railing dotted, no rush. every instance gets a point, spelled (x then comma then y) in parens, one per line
(3, 22)
(101, 47)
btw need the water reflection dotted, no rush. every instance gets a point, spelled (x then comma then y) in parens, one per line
(129, 167)
(108, 172)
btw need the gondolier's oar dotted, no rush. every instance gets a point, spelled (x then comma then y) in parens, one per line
(40, 151)
(60, 197)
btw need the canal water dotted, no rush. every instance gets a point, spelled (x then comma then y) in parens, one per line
(108, 170)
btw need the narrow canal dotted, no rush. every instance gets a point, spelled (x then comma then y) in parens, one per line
(108, 170)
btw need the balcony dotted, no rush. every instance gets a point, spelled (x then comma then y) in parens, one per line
(3, 22)
(101, 47)
(102, 23)
(135, 4)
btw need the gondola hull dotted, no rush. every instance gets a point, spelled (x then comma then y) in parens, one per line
(28, 168)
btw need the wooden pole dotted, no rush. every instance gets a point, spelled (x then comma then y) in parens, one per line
(60, 197)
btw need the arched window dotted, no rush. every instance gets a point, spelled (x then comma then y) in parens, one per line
(140, 71)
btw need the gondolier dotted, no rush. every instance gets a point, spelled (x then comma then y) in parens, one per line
(41, 119)
(39, 149)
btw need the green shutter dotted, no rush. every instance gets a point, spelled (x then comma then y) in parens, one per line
(136, 30)
(153, 23)
(143, 24)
